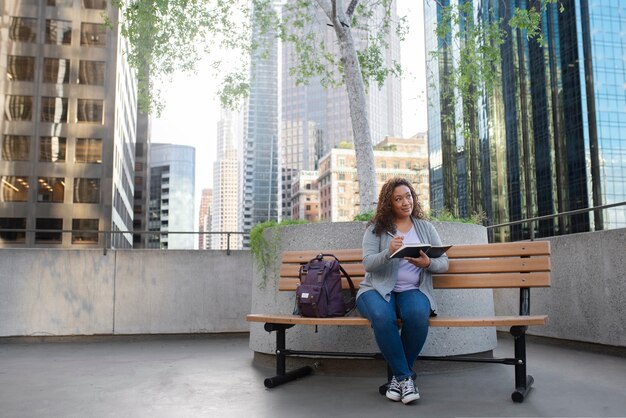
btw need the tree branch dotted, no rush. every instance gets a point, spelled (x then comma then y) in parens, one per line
(351, 8)
(325, 5)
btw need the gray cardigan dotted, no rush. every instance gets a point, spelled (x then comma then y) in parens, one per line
(381, 272)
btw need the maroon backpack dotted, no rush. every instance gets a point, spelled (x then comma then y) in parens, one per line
(319, 293)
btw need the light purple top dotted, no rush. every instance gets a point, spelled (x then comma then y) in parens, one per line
(408, 274)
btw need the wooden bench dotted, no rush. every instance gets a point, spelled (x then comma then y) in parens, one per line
(520, 265)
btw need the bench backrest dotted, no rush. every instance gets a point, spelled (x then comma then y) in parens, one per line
(476, 266)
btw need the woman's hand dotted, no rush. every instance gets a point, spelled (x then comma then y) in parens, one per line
(395, 244)
(422, 261)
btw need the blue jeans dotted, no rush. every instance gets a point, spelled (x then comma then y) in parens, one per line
(400, 349)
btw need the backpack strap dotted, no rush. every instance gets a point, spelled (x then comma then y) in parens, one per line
(350, 304)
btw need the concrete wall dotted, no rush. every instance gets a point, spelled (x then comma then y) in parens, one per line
(84, 292)
(587, 299)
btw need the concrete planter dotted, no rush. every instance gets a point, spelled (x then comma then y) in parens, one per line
(338, 235)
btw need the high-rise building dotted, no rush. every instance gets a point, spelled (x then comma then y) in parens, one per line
(393, 157)
(226, 196)
(548, 139)
(172, 190)
(141, 196)
(315, 118)
(204, 219)
(68, 125)
(260, 145)
(305, 196)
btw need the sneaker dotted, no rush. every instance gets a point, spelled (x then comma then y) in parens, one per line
(409, 391)
(394, 391)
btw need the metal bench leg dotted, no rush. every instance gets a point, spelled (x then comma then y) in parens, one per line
(523, 382)
(282, 376)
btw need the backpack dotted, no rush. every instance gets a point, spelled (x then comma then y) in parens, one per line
(319, 293)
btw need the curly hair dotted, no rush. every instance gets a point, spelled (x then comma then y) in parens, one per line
(383, 218)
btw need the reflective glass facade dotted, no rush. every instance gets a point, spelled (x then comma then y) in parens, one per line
(68, 123)
(547, 139)
(171, 205)
(260, 147)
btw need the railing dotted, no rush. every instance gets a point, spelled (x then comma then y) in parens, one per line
(531, 221)
(106, 241)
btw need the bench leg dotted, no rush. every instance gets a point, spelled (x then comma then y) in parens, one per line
(282, 376)
(523, 382)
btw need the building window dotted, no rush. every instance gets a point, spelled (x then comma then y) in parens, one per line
(94, 4)
(90, 110)
(54, 109)
(15, 147)
(20, 68)
(84, 231)
(50, 189)
(52, 149)
(93, 34)
(48, 237)
(23, 29)
(86, 190)
(341, 176)
(91, 73)
(18, 108)
(14, 189)
(64, 3)
(58, 32)
(56, 70)
(88, 150)
(12, 236)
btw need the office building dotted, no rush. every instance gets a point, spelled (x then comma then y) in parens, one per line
(141, 196)
(305, 196)
(260, 145)
(172, 189)
(204, 219)
(68, 125)
(226, 189)
(394, 157)
(548, 138)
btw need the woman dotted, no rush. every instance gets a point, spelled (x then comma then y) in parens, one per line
(399, 288)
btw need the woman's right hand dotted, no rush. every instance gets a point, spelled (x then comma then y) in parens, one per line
(395, 244)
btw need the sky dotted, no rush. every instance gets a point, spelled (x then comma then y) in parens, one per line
(192, 109)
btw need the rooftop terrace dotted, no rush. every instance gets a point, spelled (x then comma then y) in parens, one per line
(214, 375)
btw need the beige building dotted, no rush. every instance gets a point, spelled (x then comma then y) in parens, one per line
(394, 157)
(68, 128)
(226, 186)
(305, 196)
(204, 221)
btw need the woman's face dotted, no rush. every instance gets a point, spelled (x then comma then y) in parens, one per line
(401, 202)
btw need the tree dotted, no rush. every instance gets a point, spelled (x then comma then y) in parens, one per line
(180, 30)
(168, 35)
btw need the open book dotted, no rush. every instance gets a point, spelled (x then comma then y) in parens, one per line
(413, 250)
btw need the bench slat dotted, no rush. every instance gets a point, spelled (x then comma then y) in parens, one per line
(345, 255)
(491, 281)
(508, 249)
(293, 270)
(434, 322)
(493, 265)
(458, 281)
(500, 265)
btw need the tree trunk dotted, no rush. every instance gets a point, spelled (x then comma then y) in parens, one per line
(366, 172)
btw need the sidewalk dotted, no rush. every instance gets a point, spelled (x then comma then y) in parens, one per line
(213, 376)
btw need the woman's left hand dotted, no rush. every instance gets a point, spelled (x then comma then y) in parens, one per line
(422, 261)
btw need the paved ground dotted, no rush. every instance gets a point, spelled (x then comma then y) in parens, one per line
(214, 376)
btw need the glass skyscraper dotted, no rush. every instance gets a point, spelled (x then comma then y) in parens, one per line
(260, 139)
(548, 138)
